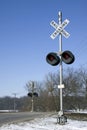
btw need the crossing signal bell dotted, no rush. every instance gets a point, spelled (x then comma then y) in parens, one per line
(53, 59)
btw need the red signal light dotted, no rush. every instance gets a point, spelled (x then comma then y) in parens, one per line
(52, 59)
(30, 94)
(67, 57)
(35, 94)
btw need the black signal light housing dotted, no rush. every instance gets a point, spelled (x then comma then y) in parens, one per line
(67, 57)
(52, 59)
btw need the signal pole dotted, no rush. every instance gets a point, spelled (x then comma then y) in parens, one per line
(61, 118)
(61, 67)
(32, 100)
(32, 96)
(57, 58)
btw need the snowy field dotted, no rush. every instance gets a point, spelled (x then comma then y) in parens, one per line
(47, 123)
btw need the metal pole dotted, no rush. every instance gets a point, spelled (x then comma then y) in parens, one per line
(32, 96)
(61, 118)
(14, 101)
(61, 68)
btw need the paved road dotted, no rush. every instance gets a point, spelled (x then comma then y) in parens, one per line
(19, 117)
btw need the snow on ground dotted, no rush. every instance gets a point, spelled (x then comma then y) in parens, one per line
(47, 123)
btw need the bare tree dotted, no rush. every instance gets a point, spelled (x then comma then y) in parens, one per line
(74, 93)
(51, 83)
(72, 83)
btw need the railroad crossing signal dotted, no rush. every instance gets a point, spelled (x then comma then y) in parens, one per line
(54, 59)
(33, 94)
(59, 29)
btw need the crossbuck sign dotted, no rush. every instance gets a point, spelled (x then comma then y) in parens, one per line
(59, 29)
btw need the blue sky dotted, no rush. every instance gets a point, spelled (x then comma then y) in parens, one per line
(25, 39)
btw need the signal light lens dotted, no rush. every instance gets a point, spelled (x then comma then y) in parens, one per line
(52, 59)
(35, 94)
(30, 94)
(67, 57)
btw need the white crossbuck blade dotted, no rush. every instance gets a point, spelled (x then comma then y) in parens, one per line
(59, 29)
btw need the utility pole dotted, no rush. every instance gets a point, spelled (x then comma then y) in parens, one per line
(14, 101)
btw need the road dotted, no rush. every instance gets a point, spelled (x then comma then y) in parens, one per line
(27, 116)
(19, 117)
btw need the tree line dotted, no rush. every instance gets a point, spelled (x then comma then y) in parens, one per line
(74, 93)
